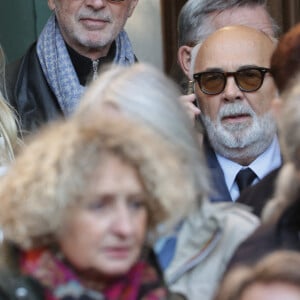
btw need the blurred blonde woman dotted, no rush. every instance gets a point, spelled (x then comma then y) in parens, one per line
(9, 141)
(81, 204)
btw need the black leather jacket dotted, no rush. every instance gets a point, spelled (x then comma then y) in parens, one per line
(29, 93)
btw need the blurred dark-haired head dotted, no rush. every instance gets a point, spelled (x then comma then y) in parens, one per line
(285, 61)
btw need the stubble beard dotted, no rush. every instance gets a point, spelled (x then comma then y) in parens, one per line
(82, 38)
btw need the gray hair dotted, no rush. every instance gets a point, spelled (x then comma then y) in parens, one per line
(146, 95)
(193, 20)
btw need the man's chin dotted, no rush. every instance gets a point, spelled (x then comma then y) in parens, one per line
(232, 140)
(232, 128)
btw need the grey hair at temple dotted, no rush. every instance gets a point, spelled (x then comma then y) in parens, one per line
(192, 21)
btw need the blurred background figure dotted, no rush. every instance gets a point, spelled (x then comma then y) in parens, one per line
(280, 217)
(9, 141)
(285, 65)
(276, 277)
(277, 193)
(81, 204)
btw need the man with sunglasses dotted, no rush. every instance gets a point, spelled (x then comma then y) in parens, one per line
(79, 38)
(234, 91)
(196, 21)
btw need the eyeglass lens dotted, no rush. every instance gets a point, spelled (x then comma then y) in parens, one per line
(248, 80)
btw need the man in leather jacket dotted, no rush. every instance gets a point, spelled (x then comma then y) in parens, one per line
(79, 37)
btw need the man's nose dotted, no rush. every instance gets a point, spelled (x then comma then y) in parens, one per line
(96, 4)
(232, 92)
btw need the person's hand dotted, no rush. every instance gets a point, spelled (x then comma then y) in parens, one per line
(188, 103)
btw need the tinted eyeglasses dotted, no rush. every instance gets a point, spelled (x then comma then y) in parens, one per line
(214, 82)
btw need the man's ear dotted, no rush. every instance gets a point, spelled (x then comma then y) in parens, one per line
(132, 6)
(51, 4)
(184, 58)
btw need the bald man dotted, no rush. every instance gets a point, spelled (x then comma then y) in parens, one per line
(234, 90)
(200, 18)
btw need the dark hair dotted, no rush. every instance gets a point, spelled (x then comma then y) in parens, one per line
(14, 286)
(285, 61)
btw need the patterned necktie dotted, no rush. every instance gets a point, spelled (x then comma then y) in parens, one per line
(244, 178)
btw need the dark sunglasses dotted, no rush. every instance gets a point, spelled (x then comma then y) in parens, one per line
(214, 82)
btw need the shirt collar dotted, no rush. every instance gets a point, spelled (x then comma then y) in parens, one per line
(266, 162)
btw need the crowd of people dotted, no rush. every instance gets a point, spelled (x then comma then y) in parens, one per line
(116, 186)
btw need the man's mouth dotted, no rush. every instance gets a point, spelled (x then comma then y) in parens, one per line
(92, 23)
(237, 118)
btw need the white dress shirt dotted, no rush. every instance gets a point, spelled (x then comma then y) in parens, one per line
(269, 160)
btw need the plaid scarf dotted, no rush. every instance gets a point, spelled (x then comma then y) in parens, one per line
(61, 282)
(58, 68)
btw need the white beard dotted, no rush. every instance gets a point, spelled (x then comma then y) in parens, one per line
(240, 141)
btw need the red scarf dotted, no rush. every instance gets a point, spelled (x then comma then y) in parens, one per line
(61, 281)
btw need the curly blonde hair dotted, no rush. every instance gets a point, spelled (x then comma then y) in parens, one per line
(8, 121)
(52, 174)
